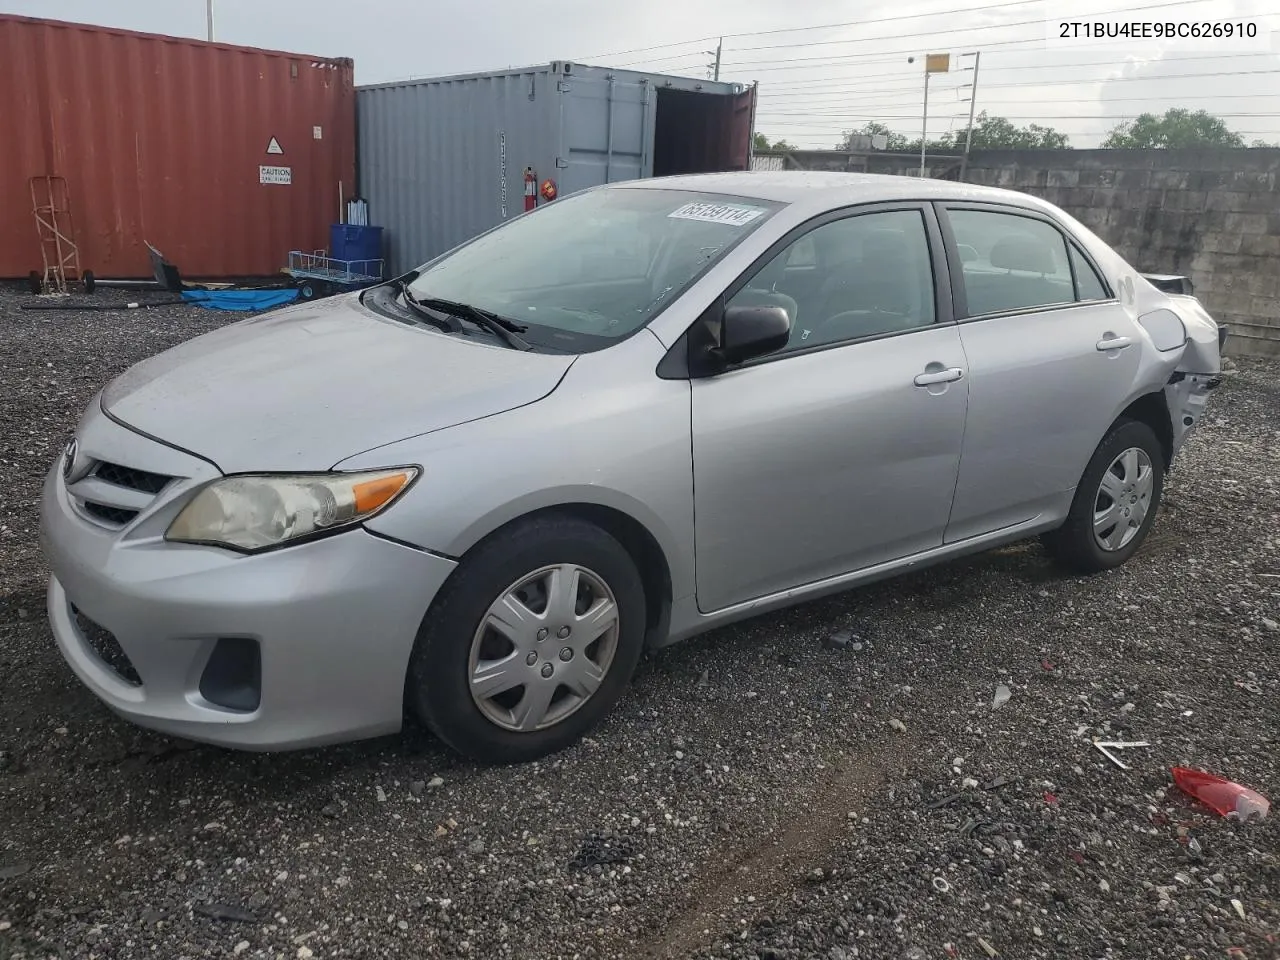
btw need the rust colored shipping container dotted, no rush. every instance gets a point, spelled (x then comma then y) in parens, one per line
(224, 158)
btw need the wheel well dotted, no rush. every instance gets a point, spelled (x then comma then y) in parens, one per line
(1153, 410)
(640, 544)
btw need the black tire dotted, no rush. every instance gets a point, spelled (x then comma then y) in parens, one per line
(90, 283)
(1073, 544)
(35, 282)
(438, 687)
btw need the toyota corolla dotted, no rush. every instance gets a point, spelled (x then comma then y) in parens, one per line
(478, 492)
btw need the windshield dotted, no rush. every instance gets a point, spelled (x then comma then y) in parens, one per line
(591, 268)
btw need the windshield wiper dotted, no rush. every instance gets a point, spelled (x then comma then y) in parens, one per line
(506, 330)
(420, 309)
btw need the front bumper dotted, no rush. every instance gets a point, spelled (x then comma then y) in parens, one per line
(333, 621)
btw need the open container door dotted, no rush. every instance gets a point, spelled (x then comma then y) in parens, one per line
(741, 127)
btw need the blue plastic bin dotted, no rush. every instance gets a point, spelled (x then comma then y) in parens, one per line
(350, 242)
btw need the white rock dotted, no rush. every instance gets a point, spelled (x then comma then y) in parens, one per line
(304, 953)
(240, 947)
(380, 794)
(435, 783)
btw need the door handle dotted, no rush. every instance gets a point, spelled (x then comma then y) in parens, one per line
(949, 375)
(1113, 343)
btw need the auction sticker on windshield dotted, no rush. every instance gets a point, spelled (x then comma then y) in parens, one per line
(732, 214)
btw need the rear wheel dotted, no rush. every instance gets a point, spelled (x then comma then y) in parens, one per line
(1115, 503)
(530, 643)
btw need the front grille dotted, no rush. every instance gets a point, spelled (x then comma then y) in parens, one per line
(130, 478)
(113, 515)
(107, 647)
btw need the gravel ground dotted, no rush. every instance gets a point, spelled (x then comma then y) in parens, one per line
(756, 794)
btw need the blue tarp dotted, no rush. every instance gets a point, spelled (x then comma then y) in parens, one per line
(239, 299)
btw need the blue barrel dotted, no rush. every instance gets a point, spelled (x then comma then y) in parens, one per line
(350, 242)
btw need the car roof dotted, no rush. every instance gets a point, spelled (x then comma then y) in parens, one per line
(823, 190)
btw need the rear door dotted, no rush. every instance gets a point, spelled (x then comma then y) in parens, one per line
(1052, 359)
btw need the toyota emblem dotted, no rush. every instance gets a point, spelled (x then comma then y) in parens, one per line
(69, 458)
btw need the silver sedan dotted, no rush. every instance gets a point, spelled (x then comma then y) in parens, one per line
(637, 413)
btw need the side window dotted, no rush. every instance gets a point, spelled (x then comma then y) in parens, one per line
(1020, 262)
(1089, 285)
(871, 275)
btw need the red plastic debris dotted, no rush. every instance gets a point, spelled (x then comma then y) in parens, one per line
(1050, 799)
(1046, 664)
(1078, 857)
(1223, 797)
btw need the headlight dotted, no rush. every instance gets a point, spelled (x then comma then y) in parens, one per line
(256, 512)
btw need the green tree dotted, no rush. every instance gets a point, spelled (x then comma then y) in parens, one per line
(1262, 144)
(760, 142)
(989, 133)
(1178, 127)
(997, 133)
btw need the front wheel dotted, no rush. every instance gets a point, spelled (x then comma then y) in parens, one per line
(531, 642)
(1115, 503)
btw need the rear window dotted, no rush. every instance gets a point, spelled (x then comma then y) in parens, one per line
(1010, 262)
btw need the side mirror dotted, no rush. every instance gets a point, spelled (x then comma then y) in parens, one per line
(750, 332)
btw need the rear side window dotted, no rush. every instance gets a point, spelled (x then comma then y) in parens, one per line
(1089, 285)
(1010, 262)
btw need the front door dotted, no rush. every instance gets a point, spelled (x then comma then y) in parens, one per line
(840, 451)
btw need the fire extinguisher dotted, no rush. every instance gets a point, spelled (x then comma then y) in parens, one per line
(530, 189)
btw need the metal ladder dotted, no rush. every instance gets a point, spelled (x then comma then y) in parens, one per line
(51, 205)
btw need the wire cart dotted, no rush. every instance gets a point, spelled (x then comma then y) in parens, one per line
(319, 275)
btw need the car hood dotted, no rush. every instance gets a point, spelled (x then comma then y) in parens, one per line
(314, 384)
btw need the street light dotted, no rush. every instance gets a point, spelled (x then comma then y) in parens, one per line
(933, 63)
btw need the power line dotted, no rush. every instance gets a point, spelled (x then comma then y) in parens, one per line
(856, 23)
(820, 84)
(947, 31)
(824, 26)
(1058, 83)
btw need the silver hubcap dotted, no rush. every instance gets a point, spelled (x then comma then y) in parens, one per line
(543, 647)
(1123, 499)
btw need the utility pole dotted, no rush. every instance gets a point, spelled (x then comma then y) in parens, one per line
(208, 19)
(714, 68)
(924, 126)
(973, 102)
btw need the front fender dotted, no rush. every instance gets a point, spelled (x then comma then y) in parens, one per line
(611, 435)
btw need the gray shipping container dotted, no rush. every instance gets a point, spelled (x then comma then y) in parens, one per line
(442, 160)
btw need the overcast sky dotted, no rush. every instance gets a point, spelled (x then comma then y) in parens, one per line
(813, 82)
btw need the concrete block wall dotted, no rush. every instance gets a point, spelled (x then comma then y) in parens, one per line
(1212, 215)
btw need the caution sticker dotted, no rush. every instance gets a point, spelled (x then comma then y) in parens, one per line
(731, 214)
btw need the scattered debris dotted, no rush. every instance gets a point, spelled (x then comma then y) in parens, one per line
(14, 870)
(941, 885)
(1103, 746)
(1050, 798)
(417, 788)
(1239, 907)
(380, 794)
(599, 849)
(898, 725)
(225, 911)
(1223, 797)
(435, 783)
(998, 782)
(1003, 694)
(987, 948)
(839, 640)
(945, 801)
